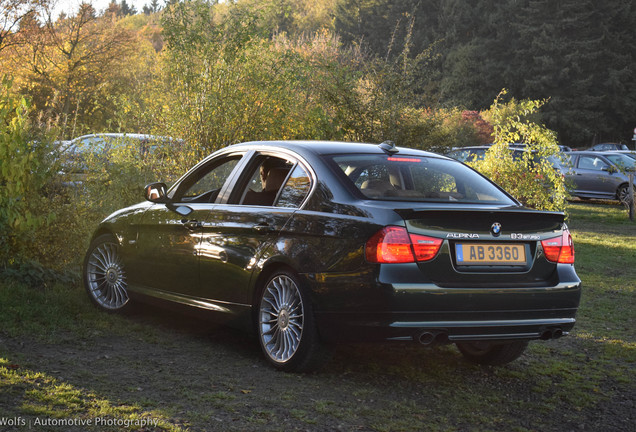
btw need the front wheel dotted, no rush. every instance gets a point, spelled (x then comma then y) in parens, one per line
(286, 328)
(623, 194)
(105, 276)
(491, 353)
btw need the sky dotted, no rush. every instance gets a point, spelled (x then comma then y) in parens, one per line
(72, 6)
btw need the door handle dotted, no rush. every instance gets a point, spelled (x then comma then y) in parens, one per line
(263, 228)
(192, 224)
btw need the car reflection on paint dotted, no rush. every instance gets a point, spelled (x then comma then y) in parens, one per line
(309, 243)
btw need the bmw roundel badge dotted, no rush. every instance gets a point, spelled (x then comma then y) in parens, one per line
(495, 229)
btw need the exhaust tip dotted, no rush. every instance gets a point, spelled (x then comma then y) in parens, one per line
(557, 333)
(426, 338)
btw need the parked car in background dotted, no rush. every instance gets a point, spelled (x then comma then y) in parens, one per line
(476, 153)
(468, 154)
(101, 144)
(601, 175)
(608, 147)
(74, 153)
(314, 242)
(629, 153)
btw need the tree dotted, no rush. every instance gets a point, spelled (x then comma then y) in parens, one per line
(113, 9)
(127, 9)
(559, 54)
(579, 54)
(66, 65)
(12, 12)
(228, 84)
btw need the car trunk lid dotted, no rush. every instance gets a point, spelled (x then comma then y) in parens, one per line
(481, 244)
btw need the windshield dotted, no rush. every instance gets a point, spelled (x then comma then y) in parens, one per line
(621, 160)
(410, 178)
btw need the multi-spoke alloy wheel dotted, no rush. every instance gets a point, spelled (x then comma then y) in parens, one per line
(286, 327)
(281, 318)
(104, 275)
(623, 194)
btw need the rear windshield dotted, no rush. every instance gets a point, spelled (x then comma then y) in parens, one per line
(409, 178)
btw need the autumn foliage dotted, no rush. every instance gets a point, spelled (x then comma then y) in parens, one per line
(208, 75)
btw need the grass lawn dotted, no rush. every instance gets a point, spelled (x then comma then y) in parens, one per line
(64, 366)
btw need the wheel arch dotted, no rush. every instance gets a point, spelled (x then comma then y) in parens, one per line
(269, 268)
(102, 230)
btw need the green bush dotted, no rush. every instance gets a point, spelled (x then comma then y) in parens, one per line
(532, 179)
(26, 169)
(41, 227)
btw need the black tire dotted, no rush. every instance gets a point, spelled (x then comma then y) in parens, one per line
(285, 325)
(622, 194)
(104, 275)
(491, 353)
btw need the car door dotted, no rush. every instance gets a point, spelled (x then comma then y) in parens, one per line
(593, 176)
(240, 229)
(168, 243)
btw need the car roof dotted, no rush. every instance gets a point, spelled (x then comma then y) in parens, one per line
(471, 148)
(119, 135)
(589, 152)
(597, 153)
(333, 148)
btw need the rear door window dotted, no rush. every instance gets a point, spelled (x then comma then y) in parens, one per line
(296, 189)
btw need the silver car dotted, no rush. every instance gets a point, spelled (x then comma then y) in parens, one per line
(629, 153)
(602, 175)
(608, 147)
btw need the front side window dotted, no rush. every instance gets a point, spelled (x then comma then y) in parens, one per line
(622, 161)
(204, 186)
(592, 163)
(414, 178)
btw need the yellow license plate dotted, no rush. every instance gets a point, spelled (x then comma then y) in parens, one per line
(490, 254)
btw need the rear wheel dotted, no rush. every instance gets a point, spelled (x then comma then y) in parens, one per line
(105, 276)
(491, 353)
(286, 328)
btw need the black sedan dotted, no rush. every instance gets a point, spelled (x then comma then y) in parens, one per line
(308, 243)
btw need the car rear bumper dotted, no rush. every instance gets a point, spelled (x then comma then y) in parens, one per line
(341, 327)
(407, 311)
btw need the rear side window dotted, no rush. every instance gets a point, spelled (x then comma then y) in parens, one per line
(296, 188)
(414, 178)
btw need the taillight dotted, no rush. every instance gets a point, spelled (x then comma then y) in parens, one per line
(394, 245)
(559, 249)
(425, 248)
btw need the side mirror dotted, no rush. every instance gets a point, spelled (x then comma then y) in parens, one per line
(156, 193)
